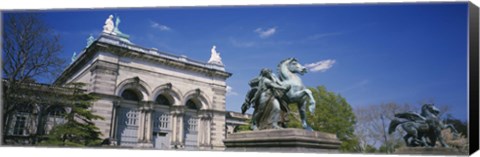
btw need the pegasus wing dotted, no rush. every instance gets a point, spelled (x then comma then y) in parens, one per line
(410, 116)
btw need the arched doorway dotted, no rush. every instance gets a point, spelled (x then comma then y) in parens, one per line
(190, 128)
(128, 118)
(162, 127)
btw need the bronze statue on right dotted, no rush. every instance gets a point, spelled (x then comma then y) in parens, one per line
(424, 129)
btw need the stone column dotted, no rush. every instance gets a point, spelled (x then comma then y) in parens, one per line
(145, 128)
(201, 130)
(141, 126)
(208, 132)
(173, 124)
(114, 123)
(204, 129)
(180, 129)
(148, 123)
(177, 126)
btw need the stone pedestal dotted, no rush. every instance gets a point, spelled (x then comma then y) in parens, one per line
(282, 140)
(144, 145)
(428, 151)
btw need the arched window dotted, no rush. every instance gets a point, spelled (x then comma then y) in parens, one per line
(162, 100)
(191, 119)
(20, 126)
(191, 105)
(130, 94)
(20, 120)
(55, 116)
(191, 125)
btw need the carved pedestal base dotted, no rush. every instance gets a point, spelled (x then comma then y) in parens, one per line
(282, 140)
(428, 151)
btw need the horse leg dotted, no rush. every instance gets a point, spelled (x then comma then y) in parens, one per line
(312, 102)
(301, 96)
(413, 132)
(453, 130)
(438, 133)
(442, 142)
(406, 137)
(303, 115)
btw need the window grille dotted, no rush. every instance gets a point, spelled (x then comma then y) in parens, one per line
(162, 121)
(56, 117)
(132, 117)
(192, 124)
(20, 123)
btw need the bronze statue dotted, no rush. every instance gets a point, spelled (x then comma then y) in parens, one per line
(424, 129)
(270, 95)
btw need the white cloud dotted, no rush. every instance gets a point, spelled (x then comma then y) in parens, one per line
(230, 91)
(359, 84)
(265, 33)
(324, 35)
(320, 66)
(159, 26)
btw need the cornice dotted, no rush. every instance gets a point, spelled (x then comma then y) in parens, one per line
(108, 43)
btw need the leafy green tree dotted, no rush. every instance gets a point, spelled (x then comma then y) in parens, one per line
(370, 149)
(245, 127)
(332, 114)
(79, 128)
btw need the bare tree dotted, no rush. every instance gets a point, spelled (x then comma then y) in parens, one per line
(31, 51)
(373, 120)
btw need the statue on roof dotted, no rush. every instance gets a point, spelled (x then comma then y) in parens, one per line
(117, 31)
(90, 40)
(109, 26)
(74, 57)
(215, 57)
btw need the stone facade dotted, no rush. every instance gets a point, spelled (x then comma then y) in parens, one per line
(150, 98)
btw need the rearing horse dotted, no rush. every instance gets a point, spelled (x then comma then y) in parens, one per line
(298, 93)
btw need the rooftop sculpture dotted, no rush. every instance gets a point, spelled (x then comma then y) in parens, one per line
(90, 40)
(113, 28)
(215, 57)
(424, 129)
(74, 57)
(109, 26)
(270, 95)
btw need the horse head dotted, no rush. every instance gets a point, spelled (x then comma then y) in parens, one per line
(295, 67)
(430, 109)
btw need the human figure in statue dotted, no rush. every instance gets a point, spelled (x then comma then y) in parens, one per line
(117, 23)
(117, 31)
(90, 40)
(270, 96)
(268, 85)
(215, 56)
(109, 26)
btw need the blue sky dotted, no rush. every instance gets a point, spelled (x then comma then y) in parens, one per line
(372, 54)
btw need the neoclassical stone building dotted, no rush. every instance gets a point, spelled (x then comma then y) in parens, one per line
(150, 98)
